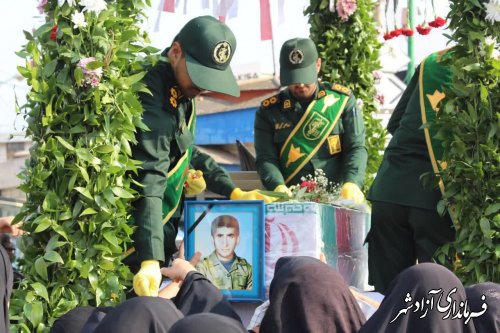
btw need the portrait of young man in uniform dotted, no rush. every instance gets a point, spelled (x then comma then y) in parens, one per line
(223, 267)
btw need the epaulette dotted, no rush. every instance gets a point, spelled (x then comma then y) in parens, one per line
(270, 101)
(341, 89)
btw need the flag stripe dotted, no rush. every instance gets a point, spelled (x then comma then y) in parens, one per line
(266, 30)
(169, 6)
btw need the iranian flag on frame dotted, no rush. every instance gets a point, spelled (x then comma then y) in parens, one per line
(312, 229)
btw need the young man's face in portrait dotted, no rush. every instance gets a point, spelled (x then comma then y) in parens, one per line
(225, 241)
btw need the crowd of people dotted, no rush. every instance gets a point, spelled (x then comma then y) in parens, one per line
(307, 126)
(306, 295)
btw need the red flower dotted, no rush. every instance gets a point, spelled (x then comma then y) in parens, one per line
(53, 33)
(396, 32)
(438, 22)
(407, 32)
(388, 36)
(310, 185)
(423, 30)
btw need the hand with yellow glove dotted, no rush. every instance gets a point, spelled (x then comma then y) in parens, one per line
(238, 194)
(147, 280)
(195, 183)
(352, 192)
(283, 189)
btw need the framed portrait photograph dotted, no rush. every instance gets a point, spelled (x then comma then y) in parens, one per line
(230, 236)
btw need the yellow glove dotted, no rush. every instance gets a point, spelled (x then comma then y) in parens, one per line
(283, 189)
(351, 191)
(238, 194)
(195, 183)
(147, 280)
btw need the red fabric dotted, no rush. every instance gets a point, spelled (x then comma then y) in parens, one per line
(169, 6)
(266, 29)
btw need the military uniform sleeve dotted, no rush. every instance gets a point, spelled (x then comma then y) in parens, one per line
(217, 179)
(250, 277)
(152, 149)
(400, 108)
(354, 150)
(267, 159)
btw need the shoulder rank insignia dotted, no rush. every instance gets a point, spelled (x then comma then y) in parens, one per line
(174, 95)
(321, 94)
(270, 101)
(287, 103)
(341, 89)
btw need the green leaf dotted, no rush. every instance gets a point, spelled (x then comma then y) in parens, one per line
(53, 256)
(34, 312)
(42, 224)
(110, 237)
(94, 64)
(84, 174)
(50, 202)
(105, 149)
(88, 211)
(484, 223)
(83, 191)
(492, 209)
(41, 268)
(40, 290)
(121, 193)
(49, 69)
(93, 280)
(65, 143)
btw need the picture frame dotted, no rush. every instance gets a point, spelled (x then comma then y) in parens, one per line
(211, 227)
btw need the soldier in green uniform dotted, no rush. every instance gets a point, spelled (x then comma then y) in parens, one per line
(223, 267)
(406, 226)
(309, 125)
(197, 60)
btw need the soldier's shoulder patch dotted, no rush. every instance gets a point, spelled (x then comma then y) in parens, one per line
(341, 89)
(270, 101)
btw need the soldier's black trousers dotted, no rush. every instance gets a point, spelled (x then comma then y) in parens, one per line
(401, 235)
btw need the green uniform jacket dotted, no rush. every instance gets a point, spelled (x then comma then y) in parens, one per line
(406, 157)
(166, 112)
(239, 276)
(273, 124)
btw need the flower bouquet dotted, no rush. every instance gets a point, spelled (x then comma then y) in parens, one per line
(317, 189)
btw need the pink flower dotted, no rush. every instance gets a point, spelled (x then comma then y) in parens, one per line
(92, 76)
(346, 8)
(380, 98)
(41, 6)
(377, 76)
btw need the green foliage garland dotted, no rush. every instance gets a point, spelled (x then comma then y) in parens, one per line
(469, 126)
(350, 53)
(82, 119)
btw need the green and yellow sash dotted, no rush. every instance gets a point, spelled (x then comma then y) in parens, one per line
(434, 78)
(178, 174)
(310, 132)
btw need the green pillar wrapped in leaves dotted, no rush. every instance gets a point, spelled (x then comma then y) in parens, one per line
(84, 67)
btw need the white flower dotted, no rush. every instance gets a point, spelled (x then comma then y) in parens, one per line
(95, 6)
(493, 45)
(78, 18)
(71, 3)
(493, 11)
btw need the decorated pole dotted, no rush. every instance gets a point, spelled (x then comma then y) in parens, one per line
(84, 67)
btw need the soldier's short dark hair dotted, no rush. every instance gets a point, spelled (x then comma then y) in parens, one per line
(225, 221)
